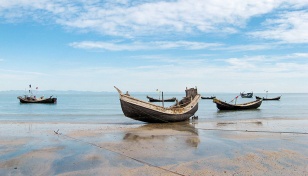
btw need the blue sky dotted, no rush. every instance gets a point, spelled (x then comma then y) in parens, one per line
(144, 45)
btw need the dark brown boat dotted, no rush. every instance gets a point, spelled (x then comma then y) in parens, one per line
(265, 99)
(160, 100)
(246, 95)
(148, 112)
(208, 98)
(226, 106)
(33, 99)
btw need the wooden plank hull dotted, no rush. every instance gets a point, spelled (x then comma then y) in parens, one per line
(226, 106)
(143, 114)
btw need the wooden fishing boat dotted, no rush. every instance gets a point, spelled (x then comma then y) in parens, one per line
(148, 112)
(226, 106)
(246, 95)
(211, 97)
(160, 100)
(275, 98)
(33, 99)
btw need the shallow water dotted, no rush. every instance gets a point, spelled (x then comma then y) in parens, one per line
(105, 108)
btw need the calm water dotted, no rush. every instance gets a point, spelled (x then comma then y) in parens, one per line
(105, 108)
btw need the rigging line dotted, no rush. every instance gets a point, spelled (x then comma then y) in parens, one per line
(140, 161)
(254, 131)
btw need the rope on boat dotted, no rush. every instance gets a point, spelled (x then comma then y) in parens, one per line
(254, 131)
(138, 160)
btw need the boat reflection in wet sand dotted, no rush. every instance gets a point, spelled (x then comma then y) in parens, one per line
(34, 99)
(149, 112)
(164, 131)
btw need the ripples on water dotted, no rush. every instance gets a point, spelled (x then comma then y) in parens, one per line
(105, 108)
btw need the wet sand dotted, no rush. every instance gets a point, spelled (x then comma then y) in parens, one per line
(252, 147)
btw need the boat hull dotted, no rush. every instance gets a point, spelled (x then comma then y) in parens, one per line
(143, 114)
(247, 95)
(226, 106)
(148, 112)
(208, 98)
(158, 100)
(45, 101)
(266, 99)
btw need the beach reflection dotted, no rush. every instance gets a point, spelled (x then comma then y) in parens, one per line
(247, 123)
(164, 132)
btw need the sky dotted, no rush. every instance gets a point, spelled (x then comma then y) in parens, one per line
(145, 45)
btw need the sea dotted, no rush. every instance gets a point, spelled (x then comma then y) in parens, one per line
(105, 108)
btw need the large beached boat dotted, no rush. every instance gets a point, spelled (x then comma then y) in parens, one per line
(227, 106)
(148, 112)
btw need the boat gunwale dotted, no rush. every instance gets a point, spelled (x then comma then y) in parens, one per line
(161, 107)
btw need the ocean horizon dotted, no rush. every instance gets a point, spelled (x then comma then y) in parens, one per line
(104, 107)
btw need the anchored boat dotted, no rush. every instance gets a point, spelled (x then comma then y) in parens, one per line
(275, 98)
(151, 99)
(227, 106)
(33, 99)
(246, 95)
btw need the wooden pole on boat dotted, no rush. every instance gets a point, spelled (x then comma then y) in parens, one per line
(266, 94)
(162, 97)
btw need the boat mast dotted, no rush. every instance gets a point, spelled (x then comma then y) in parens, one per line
(266, 94)
(158, 93)
(162, 97)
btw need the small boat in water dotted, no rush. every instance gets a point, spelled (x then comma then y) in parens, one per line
(30, 98)
(226, 106)
(211, 97)
(265, 99)
(148, 112)
(246, 95)
(161, 100)
(34, 99)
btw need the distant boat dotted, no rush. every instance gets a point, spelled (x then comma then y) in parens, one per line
(275, 98)
(34, 99)
(152, 113)
(211, 97)
(246, 95)
(160, 100)
(226, 106)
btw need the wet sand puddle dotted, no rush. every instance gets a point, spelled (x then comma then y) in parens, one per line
(196, 148)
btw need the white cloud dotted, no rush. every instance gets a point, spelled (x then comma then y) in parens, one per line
(248, 47)
(138, 18)
(118, 46)
(289, 27)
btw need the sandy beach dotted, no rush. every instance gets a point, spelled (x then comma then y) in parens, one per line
(251, 147)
